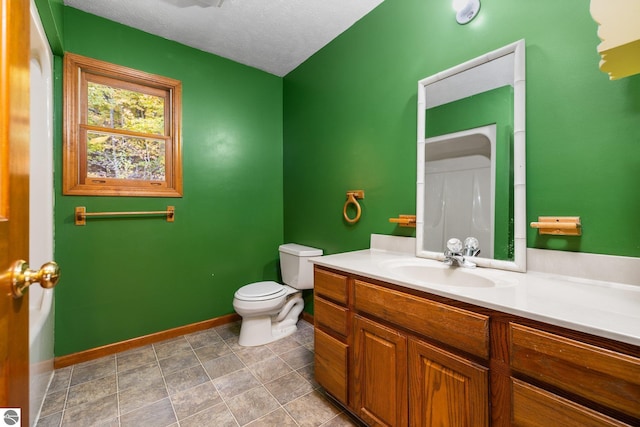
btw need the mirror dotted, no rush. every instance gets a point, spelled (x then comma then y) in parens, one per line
(471, 159)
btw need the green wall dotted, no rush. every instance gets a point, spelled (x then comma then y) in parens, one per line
(128, 277)
(350, 122)
(253, 174)
(52, 16)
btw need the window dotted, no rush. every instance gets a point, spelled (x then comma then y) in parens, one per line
(121, 131)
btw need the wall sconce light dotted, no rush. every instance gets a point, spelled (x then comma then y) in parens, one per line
(466, 10)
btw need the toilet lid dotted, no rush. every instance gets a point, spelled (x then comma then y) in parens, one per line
(261, 291)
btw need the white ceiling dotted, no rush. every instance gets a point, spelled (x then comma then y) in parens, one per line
(272, 35)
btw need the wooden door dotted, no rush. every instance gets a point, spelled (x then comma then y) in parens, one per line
(446, 390)
(380, 374)
(14, 202)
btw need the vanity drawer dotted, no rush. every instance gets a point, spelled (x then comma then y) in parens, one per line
(534, 407)
(331, 359)
(331, 316)
(598, 374)
(331, 285)
(456, 327)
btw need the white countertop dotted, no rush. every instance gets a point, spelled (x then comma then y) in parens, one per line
(610, 310)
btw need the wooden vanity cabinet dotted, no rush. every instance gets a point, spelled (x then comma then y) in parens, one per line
(379, 374)
(399, 379)
(608, 378)
(536, 407)
(372, 355)
(446, 389)
(397, 357)
(332, 326)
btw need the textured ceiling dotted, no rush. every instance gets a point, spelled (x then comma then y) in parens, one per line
(273, 35)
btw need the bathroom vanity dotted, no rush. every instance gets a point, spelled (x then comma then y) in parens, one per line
(516, 349)
(402, 339)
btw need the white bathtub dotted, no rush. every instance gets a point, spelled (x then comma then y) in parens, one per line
(41, 215)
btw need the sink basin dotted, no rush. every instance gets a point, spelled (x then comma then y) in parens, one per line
(423, 271)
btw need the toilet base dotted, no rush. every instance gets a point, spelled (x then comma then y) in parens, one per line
(261, 330)
(270, 327)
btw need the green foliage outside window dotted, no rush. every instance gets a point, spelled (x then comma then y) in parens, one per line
(118, 156)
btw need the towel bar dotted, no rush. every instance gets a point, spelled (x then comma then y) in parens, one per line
(81, 214)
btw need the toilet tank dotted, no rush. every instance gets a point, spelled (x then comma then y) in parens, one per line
(297, 271)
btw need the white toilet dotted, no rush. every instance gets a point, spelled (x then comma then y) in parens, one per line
(270, 310)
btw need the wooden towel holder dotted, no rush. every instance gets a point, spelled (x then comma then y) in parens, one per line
(558, 225)
(81, 214)
(404, 220)
(352, 197)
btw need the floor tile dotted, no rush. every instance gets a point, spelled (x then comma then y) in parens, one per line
(270, 369)
(236, 383)
(52, 420)
(61, 379)
(298, 357)
(308, 373)
(54, 402)
(158, 414)
(251, 355)
(135, 358)
(251, 405)
(91, 390)
(283, 345)
(197, 380)
(97, 369)
(289, 387)
(138, 396)
(95, 361)
(113, 422)
(204, 338)
(178, 362)
(341, 420)
(304, 335)
(228, 330)
(213, 351)
(86, 414)
(278, 418)
(222, 365)
(172, 348)
(216, 416)
(140, 376)
(185, 379)
(232, 342)
(312, 409)
(196, 399)
(310, 346)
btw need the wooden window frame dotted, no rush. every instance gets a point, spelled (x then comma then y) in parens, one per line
(77, 69)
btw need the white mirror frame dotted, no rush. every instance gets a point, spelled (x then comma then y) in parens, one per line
(519, 262)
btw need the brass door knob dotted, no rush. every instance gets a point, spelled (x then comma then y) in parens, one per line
(22, 277)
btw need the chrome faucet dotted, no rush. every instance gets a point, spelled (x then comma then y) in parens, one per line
(455, 251)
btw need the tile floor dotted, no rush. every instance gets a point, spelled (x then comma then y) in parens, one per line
(201, 379)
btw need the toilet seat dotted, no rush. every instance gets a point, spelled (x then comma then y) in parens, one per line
(260, 291)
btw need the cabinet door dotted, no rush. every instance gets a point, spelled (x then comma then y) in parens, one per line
(446, 390)
(331, 358)
(379, 374)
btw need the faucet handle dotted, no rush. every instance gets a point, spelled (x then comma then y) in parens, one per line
(471, 246)
(454, 245)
